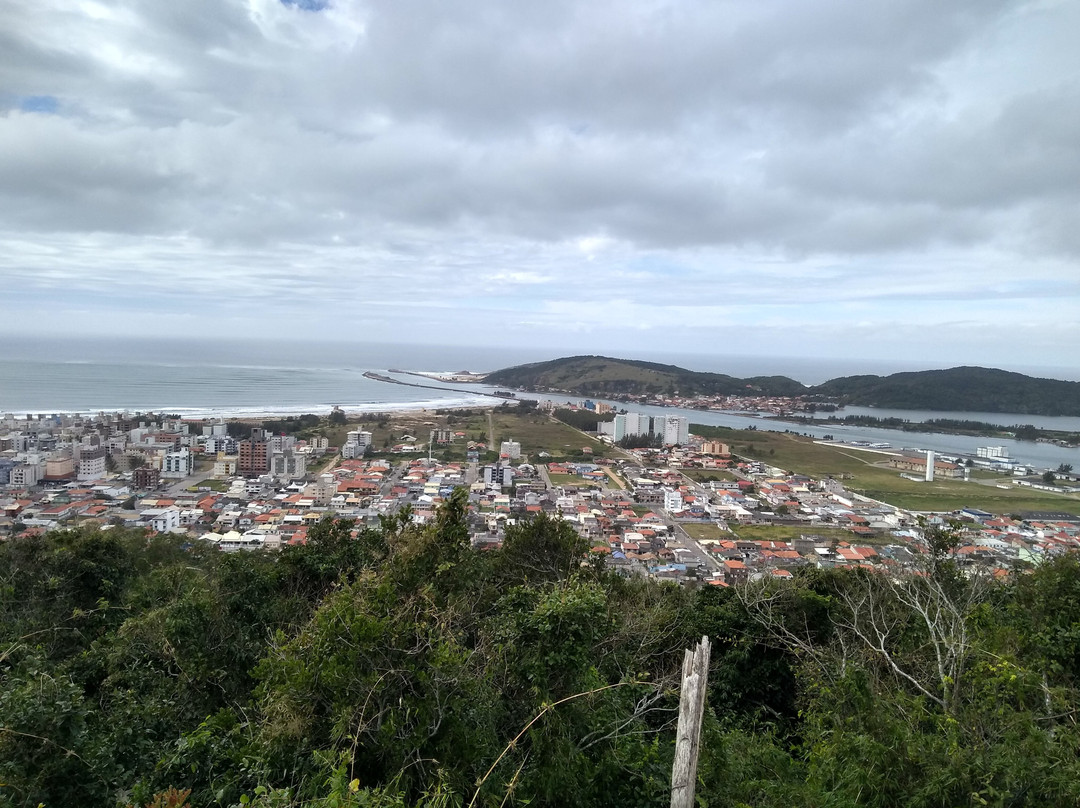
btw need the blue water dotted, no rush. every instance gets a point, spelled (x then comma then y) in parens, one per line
(1042, 455)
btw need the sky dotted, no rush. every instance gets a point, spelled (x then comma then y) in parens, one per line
(850, 179)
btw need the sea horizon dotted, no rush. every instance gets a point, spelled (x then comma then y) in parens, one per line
(257, 354)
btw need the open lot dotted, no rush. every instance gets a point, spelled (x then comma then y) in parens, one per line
(707, 475)
(789, 532)
(705, 530)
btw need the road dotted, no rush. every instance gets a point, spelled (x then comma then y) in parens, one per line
(194, 481)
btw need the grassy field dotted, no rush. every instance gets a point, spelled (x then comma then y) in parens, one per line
(566, 479)
(616, 480)
(789, 532)
(538, 432)
(866, 473)
(213, 485)
(709, 530)
(706, 530)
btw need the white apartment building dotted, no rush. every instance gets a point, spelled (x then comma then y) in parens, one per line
(177, 464)
(26, 474)
(91, 464)
(288, 465)
(672, 429)
(162, 520)
(625, 424)
(673, 501)
(282, 443)
(510, 448)
(498, 476)
(356, 444)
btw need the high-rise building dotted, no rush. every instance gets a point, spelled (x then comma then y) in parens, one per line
(177, 464)
(91, 464)
(288, 465)
(671, 429)
(254, 456)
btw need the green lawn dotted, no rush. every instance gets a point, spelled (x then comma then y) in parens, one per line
(538, 432)
(706, 530)
(213, 485)
(789, 532)
(566, 479)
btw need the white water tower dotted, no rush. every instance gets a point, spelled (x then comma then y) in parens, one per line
(930, 466)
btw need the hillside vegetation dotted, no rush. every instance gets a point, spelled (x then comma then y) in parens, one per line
(955, 389)
(397, 667)
(602, 375)
(963, 388)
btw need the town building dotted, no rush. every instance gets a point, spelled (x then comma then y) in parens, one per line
(177, 464)
(254, 454)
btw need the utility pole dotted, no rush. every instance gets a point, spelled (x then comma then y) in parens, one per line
(688, 736)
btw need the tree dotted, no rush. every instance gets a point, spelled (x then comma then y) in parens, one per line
(1065, 468)
(1049, 477)
(542, 549)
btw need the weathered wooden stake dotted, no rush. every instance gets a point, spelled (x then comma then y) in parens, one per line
(688, 737)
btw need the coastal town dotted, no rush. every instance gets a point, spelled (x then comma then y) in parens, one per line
(685, 507)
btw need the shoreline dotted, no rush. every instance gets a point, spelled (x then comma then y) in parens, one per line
(270, 412)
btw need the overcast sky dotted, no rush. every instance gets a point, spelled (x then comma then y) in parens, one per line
(891, 179)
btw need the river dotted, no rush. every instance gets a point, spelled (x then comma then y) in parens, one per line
(1041, 455)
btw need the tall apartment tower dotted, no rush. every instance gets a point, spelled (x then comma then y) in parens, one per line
(254, 455)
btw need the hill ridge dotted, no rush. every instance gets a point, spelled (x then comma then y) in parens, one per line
(957, 389)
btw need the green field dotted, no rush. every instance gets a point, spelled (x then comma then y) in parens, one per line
(538, 432)
(214, 485)
(566, 479)
(786, 533)
(790, 532)
(865, 473)
(706, 530)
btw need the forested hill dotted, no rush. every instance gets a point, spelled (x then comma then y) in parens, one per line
(956, 389)
(963, 388)
(605, 376)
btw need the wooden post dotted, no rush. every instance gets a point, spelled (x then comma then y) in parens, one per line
(688, 736)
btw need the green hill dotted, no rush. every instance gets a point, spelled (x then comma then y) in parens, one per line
(956, 389)
(962, 388)
(605, 376)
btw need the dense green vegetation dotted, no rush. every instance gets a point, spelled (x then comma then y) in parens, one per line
(952, 426)
(963, 388)
(604, 376)
(955, 389)
(585, 420)
(398, 667)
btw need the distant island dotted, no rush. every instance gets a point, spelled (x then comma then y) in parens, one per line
(953, 390)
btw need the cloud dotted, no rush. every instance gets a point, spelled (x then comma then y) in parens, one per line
(650, 169)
